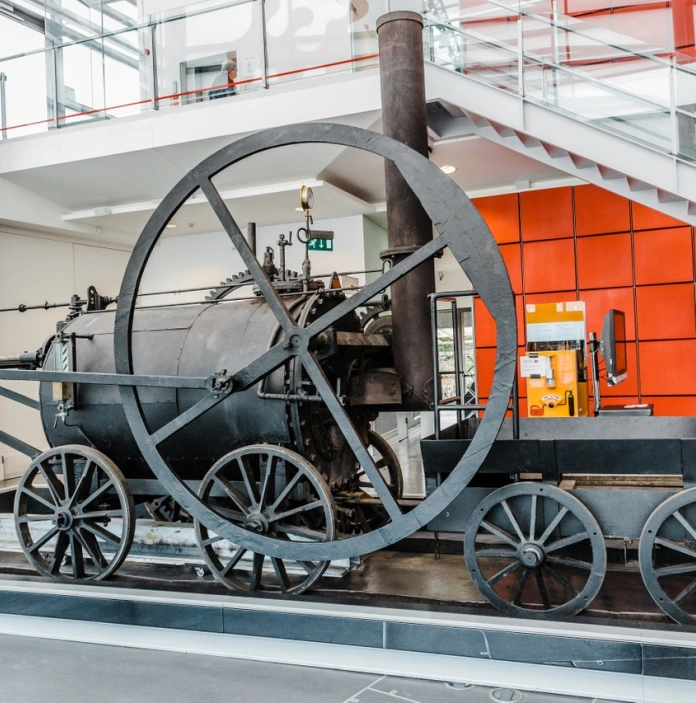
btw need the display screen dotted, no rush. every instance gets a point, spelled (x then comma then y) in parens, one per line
(613, 346)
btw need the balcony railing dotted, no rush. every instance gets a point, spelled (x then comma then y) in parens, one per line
(177, 59)
(646, 94)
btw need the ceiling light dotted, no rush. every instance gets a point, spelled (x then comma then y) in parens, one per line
(448, 168)
(171, 226)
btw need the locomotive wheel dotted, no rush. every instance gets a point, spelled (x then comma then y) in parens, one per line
(667, 556)
(64, 503)
(271, 491)
(535, 550)
(460, 228)
(386, 462)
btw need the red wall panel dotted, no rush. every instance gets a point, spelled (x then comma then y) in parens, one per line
(549, 266)
(666, 312)
(664, 256)
(605, 262)
(547, 214)
(502, 215)
(598, 211)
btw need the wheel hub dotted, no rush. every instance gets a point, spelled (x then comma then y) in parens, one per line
(64, 519)
(257, 522)
(532, 555)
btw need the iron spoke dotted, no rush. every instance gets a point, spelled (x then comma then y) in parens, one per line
(686, 593)
(533, 518)
(43, 539)
(269, 476)
(232, 493)
(567, 541)
(504, 572)
(294, 511)
(211, 540)
(179, 422)
(54, 485)
(85, 480)
(520, 587)
(76, 557)
(233, 561)
(281, 573)
(496, 554)
(40, 499)
(513, 520)
(68, 477)
(316, 373)
(35, 518)
(93, 496)
(676, 569)
(285, 492)
(553, 524)
(91, 546)
(99, 531)
(308, 566)
(542, 589)
(239, 242)
(685, 524)
(675, 546)
(499, 532)
(59, 553)
(299, 531)
(247, 476)
(256, 571)
(560, 580)
(99, 515)
(567, 561)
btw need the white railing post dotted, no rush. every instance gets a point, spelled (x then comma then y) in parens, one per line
(520, 55)
(3, 106)
(153, 66)
(673, 117)
(264, 39)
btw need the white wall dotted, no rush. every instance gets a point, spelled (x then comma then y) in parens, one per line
(204, 259)
(35, 268)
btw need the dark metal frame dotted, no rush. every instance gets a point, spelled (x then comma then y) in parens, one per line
(460, 227)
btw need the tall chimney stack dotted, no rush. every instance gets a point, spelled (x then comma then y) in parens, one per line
(404, 117)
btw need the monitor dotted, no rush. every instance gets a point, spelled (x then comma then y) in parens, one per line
(613, 346)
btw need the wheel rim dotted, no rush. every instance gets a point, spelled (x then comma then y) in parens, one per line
(667, 556)
(74, 515)
(535, 550)
(460, 228)
(386, 462)
(272, 491)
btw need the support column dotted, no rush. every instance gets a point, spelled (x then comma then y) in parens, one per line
(404, 118)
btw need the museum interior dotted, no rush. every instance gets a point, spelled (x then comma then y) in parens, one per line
(374, 380)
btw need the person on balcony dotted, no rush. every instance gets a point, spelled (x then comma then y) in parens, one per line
(223, 85)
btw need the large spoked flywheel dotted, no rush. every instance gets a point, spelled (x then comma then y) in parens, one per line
(460, 228)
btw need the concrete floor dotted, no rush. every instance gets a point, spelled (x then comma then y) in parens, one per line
(36, 670)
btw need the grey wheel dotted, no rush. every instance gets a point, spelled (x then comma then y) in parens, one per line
(534, 549)
(668, 556)
(74, 514)
(271, 491)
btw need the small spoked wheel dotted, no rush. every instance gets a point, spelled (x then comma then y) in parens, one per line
(535, 550)
(74, 514)
(668, 556)
(388, 464)
(270, 491)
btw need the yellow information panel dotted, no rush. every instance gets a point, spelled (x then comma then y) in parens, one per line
(554, 364)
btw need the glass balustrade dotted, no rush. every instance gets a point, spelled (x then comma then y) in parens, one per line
(115, 66)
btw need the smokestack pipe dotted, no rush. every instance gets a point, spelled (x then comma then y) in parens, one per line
(404, 117)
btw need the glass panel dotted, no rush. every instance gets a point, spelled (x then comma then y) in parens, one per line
(81, 90)
(364, 31)
(25, 111)
(195, 55)
(310, 38)
(126, 74)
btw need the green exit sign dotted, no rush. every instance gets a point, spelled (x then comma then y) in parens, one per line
(320, 245)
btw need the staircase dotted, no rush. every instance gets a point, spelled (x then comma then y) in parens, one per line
(595, 104)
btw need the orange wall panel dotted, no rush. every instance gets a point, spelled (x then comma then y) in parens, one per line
(502, 215)
(546, 214)
(599, 302)
(647, 218)
(597, 211)
(512, 256)
(675, 405)
(664, 256)
(666, 312)
(668, 368)
(485, 325)
(549, 266)
(605, 262)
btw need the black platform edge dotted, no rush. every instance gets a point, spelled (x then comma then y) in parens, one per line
(631, 650)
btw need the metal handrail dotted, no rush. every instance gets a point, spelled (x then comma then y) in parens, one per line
(151, 22)
(545, 62)
(579, 32)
